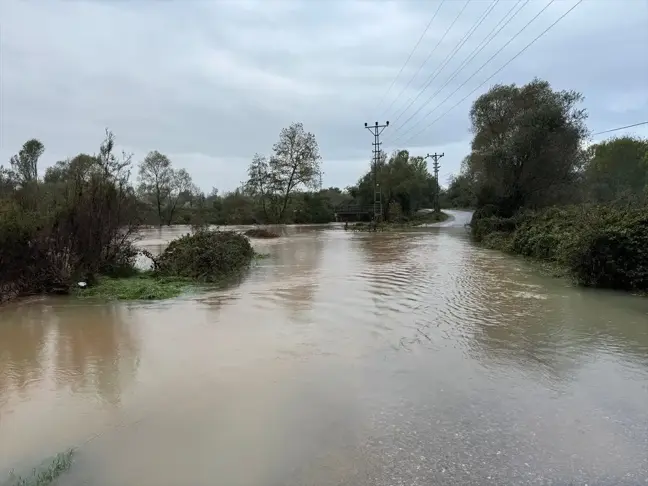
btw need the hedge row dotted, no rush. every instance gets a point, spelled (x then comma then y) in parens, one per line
(600, 246)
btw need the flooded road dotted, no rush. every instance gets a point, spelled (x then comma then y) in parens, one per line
(341, 359)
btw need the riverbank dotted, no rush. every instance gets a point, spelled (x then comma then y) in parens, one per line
(595, 245)
(191, 261)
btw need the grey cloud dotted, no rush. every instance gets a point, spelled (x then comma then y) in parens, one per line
(211, 83)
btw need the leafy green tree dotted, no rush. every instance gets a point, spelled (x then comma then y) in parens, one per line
(617, 168)
(526, 149)
(402, 179)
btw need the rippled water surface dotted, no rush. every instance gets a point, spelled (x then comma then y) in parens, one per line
(342, 359)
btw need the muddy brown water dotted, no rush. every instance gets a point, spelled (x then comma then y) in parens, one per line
(342, 359)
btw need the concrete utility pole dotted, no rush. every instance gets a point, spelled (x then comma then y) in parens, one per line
(376, 130)
(435, 166)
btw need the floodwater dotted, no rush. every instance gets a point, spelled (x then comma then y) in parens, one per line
(342, 359)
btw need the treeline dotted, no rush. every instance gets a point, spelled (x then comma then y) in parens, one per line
(73, 224)
(541, 190)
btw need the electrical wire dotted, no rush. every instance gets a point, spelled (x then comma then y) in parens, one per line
(427, 58)
(488, 61)
(499, 70)
(449, 57)
(427, 27)
(620, 128)
(505, 20)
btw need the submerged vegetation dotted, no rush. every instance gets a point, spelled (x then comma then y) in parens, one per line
(45, 474)
(144, 286)
(206, 256)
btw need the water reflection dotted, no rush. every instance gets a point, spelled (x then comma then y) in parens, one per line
(88, 349)
(342, 358)
(290, 273)
(23, 339)
(94, 351)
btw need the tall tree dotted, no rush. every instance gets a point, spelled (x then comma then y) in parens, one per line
(163, 184)
(526, 148)
(295, 163)
(180, 183)
(155, 176)
(617, 168)
(259, 185)
(24, 166)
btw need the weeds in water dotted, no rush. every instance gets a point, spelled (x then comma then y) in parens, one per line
(141, 287)
(261, 233)
(45, 474)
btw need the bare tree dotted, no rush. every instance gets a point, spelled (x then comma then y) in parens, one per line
(180, 182)
(295, 163)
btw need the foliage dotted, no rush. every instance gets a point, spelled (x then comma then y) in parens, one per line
(598, 245)
(24, 166)
(53, 233)
(617, 169)
(143, 286)
(207, 256)
(44, 475)
(260, 233)
(402, 179)
(294, 164)
(460, 192)
(163, 185)
(526, 150)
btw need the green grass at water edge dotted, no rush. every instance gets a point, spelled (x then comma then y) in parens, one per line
(45, 474)
(144, 286)
(148, 286)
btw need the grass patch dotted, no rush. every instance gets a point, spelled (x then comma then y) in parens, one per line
(45, 474)
(145, 286)
(261, 233)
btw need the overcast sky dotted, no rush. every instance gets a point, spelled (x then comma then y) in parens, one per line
(210, 83)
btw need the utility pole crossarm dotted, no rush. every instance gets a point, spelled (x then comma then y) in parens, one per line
(376, 130)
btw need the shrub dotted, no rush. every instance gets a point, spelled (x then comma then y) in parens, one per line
(613, 254)
(261, 233)
(207, 256)
(599, 246)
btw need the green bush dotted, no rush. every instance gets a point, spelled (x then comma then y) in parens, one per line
(613, 254)
(208, 256)
(600, 246)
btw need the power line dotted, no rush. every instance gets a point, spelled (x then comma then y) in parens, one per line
(427, 27)
(489, 60)
(499, 70)
(428, 57)
(621, 128)
(449, 57)
(482, 45)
